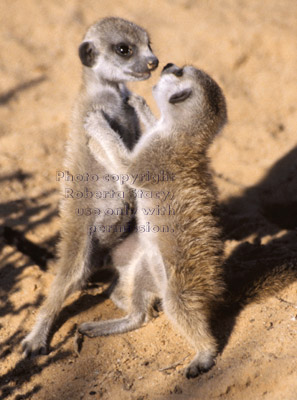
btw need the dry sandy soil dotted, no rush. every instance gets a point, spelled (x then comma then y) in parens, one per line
(249, 46)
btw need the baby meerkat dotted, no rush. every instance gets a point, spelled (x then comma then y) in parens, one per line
(113, 51)
(180, 259)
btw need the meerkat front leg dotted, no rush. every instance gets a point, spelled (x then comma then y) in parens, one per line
(105, 142)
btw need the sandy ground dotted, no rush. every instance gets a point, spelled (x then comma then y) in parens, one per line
(250, 48)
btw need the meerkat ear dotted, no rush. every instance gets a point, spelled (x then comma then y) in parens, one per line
(180, 96)
(87, 53)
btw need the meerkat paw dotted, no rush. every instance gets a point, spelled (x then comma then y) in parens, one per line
(142, 110)
(92, 122)
(34, 345)
(154, 310)
(136, 101)
(104, 328)
(91, 329)
(200, 364)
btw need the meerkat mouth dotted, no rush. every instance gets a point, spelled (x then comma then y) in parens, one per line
(140, 75)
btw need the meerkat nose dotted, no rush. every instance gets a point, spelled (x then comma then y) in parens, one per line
(152, 63)
(172, 69)
(167, 66)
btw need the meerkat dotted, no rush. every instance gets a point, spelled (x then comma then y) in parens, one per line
(180, 259)
(112, 52)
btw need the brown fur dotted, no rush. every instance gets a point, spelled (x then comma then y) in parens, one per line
(185, 261)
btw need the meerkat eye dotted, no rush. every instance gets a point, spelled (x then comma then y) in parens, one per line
(123, 50)
(180, 97)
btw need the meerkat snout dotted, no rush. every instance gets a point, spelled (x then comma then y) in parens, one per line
(172, 69)
(173, 87)
(152, 63)
(167, 66)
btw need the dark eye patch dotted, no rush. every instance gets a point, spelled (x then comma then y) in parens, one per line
(181, 96)
(123, 50)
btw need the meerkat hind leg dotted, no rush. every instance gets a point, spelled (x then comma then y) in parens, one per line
(193, 323)
(128, 323)
(113, 326)
(74, 269)
(143, 297)
(199, 335)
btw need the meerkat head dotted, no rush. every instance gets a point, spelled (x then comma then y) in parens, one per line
(118, 50)
(190, 97)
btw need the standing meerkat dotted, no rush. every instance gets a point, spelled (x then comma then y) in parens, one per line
(180, 259)
(113, 51)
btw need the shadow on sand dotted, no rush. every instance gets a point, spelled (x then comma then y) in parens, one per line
(254, 270)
